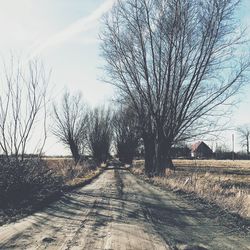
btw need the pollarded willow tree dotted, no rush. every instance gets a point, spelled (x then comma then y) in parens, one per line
(126, 134)
(71, 124)
(176, 61)
(100, 134)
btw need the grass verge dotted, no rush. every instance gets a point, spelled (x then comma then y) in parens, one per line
(223, 186)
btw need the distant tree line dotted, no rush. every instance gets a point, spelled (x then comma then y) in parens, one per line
(96, 131)
(81, 129)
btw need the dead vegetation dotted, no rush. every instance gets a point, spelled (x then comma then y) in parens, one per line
(74, 175)
(225, 183)
(68, 170)
(34, 183)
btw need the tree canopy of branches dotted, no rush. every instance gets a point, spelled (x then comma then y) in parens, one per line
(125, 124)
(244, 133)
(23, 103)
(100, 134)
(176, 61)
(71, 124)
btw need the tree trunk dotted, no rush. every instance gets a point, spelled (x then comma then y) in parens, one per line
(149, 154)
(163, 155)
(157, 155)
(160, 164)
(167, 156)
(74, 151)
(247, 145)
(160, 157)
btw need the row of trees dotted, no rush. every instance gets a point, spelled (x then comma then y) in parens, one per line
(24, 111)
(82, 130)
(93, 131)
(177, 63)
(79, 128)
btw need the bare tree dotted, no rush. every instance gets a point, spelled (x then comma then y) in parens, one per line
(177, 62)
(71, 124)
(125, 124)
(100, 134)
(23, 103)
(244, 133)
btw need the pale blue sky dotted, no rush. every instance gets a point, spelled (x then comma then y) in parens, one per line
(64, 34)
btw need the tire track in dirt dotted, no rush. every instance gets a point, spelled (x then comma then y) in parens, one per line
(54, 228)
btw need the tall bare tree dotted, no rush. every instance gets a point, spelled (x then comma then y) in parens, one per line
(71, 124)
(125, 125)
(244, 133)
(177, 62)
(100, 134)
(23, 101)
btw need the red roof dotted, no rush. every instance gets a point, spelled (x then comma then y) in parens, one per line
(196, 145)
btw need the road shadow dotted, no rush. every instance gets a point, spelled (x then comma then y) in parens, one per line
(118, 198)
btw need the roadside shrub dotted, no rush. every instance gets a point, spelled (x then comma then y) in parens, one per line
(26, 181)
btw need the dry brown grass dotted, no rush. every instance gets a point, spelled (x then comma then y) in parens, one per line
(225, 183)
(72, 174)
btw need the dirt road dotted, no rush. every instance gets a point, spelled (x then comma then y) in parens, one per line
(119, 211)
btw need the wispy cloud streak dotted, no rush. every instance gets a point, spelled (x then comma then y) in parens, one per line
(81, 25)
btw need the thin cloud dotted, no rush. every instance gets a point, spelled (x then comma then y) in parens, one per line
(83, 24)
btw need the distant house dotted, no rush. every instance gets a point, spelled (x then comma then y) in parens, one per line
(201, 150)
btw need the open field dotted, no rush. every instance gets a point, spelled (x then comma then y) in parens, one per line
(225, 183)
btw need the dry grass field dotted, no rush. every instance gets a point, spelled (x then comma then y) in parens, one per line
(225, 183)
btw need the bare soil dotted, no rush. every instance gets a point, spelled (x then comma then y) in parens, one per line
(120, 211)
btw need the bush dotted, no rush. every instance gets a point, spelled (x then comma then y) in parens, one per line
(26, 181)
